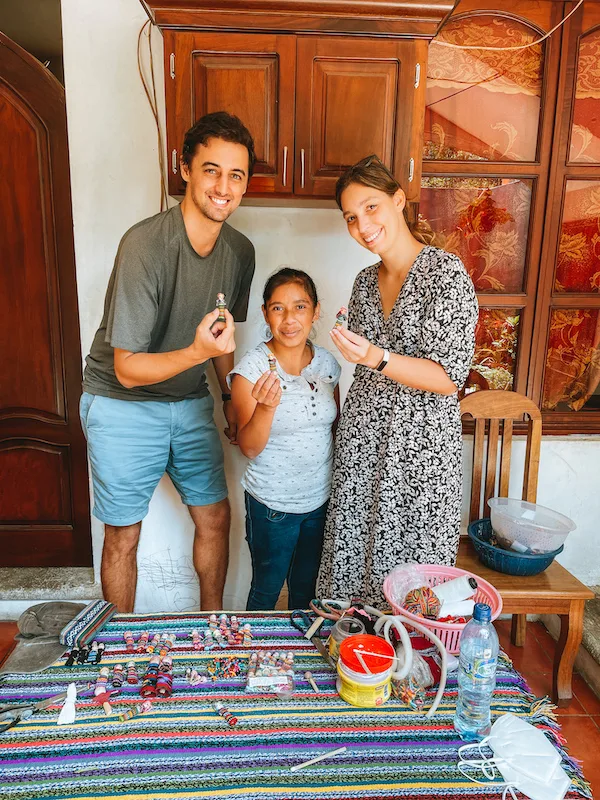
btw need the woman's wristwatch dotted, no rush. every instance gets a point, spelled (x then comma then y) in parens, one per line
(384, 360)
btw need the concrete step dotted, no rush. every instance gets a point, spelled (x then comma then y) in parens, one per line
(22, 587)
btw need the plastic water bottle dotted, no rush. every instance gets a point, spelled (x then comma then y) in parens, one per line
(476, 675)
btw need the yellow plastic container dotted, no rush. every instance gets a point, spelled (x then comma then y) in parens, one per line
(365, 669)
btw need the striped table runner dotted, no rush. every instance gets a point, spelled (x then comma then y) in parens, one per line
(183, 749)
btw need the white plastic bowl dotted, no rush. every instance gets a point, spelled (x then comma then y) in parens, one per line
(528, 527)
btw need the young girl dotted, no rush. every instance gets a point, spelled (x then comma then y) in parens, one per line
(286, 411)
(397, 471)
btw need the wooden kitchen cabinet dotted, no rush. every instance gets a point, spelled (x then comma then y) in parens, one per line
(251, 75)
(314, 104)
(356, 97)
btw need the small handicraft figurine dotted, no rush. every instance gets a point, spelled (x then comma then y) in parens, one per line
(272, 363)
(154, 643)
(143, 642)
(129, 644)
(93, 654)
(117, 678)
(132, 676)
(209, 642)
(212, 622)
(221, 305)
(341, 317)
(197, 640)
(101, 681)
(247, 641)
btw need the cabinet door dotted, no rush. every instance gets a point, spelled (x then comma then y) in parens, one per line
(356, 97)
(249, 75)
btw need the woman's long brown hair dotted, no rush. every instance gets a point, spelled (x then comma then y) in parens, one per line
(371, 171)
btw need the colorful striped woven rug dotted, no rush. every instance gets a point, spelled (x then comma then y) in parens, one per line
(183, 749)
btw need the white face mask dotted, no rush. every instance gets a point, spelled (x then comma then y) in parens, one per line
(525, 758)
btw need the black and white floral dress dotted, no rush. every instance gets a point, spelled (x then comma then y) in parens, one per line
(397, 470)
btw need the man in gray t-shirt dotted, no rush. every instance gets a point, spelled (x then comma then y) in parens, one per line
(146, 408)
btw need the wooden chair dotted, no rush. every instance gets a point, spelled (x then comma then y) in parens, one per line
(554, 591)
(498, 410)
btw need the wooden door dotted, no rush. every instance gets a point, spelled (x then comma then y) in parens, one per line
(249, 75)
(356, 97)
(44, 491)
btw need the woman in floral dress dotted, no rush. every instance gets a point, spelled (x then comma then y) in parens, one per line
(397, 472)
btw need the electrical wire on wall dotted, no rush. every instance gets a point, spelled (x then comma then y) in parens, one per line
(150, 90)
(514, 47)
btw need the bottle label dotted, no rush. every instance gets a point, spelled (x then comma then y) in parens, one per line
(481, 668)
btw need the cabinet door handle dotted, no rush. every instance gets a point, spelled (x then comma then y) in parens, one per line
(302, 168)
(411, 169)
(285, 152)
(174, 161)
(417, 75)
(172, 66)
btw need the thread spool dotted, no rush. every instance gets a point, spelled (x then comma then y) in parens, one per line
(455, 590)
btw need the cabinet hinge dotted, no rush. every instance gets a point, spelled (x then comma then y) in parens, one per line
(417, 75)
(174, 161)
(172, 65)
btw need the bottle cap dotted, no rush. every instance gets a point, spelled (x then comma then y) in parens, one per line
(482, 612)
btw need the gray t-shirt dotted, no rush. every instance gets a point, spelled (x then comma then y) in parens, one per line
(293, 472)
(158, 293)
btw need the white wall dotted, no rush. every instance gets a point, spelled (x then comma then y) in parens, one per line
(114, 173)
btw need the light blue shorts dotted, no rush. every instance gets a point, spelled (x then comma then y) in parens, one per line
(132, 443)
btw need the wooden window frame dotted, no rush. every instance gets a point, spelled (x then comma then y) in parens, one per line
(585, 21)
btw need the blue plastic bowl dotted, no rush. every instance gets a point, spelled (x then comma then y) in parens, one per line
(507, 561)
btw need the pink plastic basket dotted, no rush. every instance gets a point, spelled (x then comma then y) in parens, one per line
(433, 574)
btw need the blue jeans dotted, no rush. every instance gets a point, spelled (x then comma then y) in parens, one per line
(283, 546)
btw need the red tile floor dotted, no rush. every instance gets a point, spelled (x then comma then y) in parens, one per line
(580, 722)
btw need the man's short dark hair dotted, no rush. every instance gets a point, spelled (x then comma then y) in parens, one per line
(218, 125)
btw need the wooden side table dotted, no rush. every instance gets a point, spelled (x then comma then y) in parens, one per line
(554, 591)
